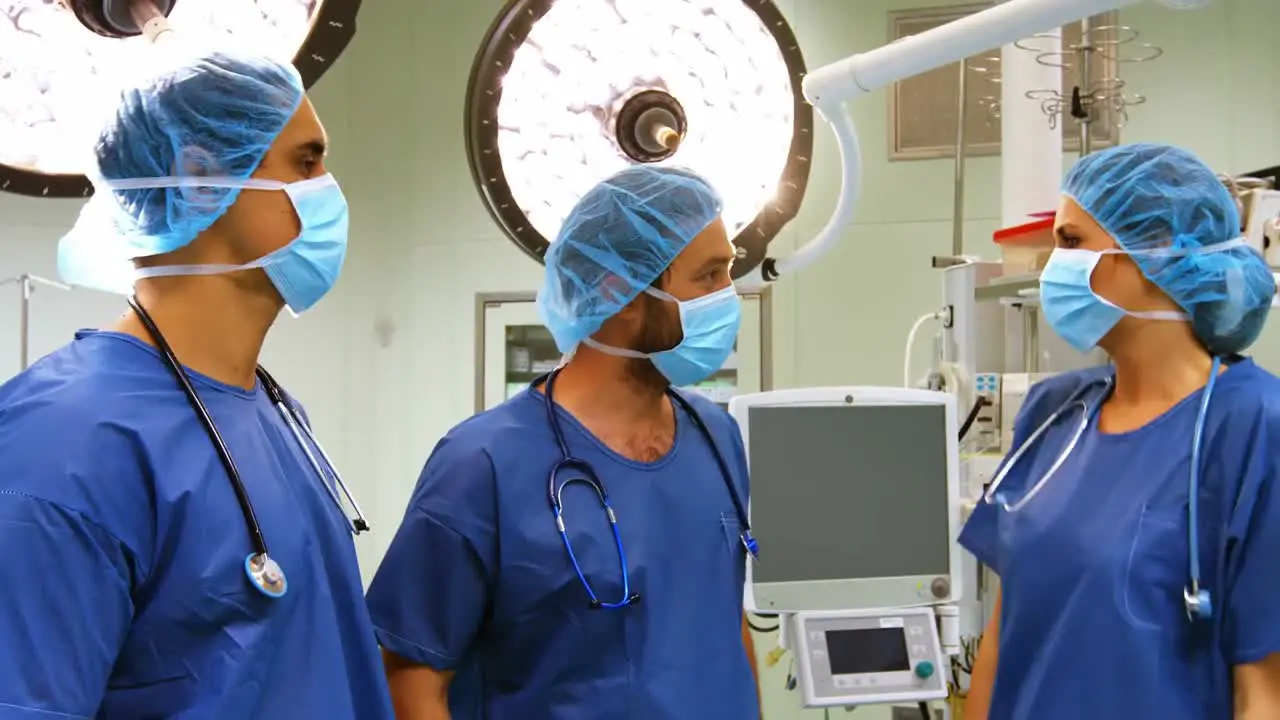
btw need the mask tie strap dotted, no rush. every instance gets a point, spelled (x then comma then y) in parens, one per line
(614, 351)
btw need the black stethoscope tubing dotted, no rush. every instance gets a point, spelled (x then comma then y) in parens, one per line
(256, 537)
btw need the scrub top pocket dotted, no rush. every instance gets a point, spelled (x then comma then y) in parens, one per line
(1156, 572)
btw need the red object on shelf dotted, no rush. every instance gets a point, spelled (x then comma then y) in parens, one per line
(1026, 248)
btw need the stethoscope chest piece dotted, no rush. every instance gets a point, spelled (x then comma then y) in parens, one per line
(263, 572)
(265, 575)
(1198, 602)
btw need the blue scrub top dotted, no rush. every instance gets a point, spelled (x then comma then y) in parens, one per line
(124, 587)
(477, 578)
(1093, 568)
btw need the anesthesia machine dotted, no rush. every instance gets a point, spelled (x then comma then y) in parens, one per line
(858, 494)
(855, 493)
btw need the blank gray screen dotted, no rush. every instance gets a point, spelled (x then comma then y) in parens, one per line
(848, 492)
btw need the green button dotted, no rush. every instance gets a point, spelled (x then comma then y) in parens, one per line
(924, 670)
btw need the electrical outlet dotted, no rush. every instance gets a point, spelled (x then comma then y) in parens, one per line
(913, 713)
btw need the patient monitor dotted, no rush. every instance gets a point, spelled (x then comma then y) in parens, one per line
(856, 504)
(855, 497)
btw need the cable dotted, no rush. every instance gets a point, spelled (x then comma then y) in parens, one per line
(924, 711)
(911, 342)
(973, 416)
(769, 616)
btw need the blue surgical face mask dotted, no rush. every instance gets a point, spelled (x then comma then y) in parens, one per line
(1080, 316)
(710, 328)
(308, 267)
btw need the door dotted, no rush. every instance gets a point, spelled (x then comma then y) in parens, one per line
(514, 348)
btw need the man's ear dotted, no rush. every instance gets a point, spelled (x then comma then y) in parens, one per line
(614, 288)
(194, 161)
(633, 310)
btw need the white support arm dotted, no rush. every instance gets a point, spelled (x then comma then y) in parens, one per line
(827, 88)
(996, 26)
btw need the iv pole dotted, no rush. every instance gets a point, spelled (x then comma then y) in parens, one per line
(27, 283)
(828, 88)
(151, 20)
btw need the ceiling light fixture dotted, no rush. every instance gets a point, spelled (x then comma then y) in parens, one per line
(564, 93)
(51, 67)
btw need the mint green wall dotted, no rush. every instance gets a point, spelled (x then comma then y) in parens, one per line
(843, 320)
(386, 366)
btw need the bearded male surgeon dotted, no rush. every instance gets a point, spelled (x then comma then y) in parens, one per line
(579, 552)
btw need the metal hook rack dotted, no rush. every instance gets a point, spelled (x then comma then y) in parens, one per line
(988, 70)
(27, 285)
(1089, 97)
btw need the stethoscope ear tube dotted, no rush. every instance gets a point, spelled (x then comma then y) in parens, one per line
(587, 476)
(302, 434)
(991, 495)
(263, 572)
(1197, 600)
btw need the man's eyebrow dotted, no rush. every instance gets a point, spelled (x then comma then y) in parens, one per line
(313, 147)
(715, 263)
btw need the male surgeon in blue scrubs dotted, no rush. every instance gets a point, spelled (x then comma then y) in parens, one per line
(125, 592)
(485, 605)
(1137, 537)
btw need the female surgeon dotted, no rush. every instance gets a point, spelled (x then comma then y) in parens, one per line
(174, 546)
(1135, 526)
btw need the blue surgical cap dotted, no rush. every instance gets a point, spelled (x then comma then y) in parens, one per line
(616, 242)
(1151, 197)
(213, 114)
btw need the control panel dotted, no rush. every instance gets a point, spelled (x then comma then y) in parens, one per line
(985, 432)
(867, 657)
(1262, 209)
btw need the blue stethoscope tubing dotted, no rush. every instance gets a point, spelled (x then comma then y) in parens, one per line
(587, 475)
(1198, 601)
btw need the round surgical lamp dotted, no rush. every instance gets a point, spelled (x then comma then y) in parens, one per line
(564, 93)
(54, 54)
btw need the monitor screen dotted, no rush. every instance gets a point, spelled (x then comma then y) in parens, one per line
(849, 492)
(873, 650)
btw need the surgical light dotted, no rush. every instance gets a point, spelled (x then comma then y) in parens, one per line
(56, 56)
(564, 93)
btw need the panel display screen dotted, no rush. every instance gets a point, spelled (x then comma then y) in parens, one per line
(849, 492)
(873, 650)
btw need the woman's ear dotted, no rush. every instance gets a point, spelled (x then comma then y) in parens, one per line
(1153, 297)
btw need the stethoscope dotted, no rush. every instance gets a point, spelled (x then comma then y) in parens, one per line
(1198, 601)
(263, 571)
(587, 475)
